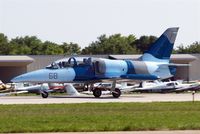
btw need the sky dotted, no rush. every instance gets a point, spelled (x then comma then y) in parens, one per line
(82, 21)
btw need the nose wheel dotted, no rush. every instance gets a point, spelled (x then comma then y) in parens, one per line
(44, 94)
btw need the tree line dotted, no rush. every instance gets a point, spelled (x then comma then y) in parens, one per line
(113, 44)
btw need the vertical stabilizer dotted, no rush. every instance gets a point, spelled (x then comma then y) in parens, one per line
(163, 46)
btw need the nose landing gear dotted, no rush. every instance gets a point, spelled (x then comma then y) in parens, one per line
(44, 94)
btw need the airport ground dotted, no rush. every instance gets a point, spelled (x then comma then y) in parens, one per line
(168, 113)
(144, 97)
(93, 117)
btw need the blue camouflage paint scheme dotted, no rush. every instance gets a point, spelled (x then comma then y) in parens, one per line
(165, 50)
(115, 68)
(172, 70)
(148, 67)
(48, 75)
(163, 46)
(140, 77)
(131, 69)
(84, 72)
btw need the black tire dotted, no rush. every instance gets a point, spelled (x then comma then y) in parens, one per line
(97, 92)
(116, 93)
(45, 94)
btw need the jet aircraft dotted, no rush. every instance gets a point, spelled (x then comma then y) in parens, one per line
(152, 65)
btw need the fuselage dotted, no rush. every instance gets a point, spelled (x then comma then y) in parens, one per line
(91, 69)
(152, 65)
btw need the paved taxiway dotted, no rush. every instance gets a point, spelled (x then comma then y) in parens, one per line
(103, 99)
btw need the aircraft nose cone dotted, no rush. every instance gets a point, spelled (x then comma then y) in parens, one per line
(24, 77)
(47, 75)
(17, 79)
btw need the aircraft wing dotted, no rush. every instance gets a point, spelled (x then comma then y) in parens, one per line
(140, 77)
(71, 91)
(10, 93)
(175, 65)
(191, 87)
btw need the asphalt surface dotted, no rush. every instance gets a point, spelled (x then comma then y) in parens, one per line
(103, 99)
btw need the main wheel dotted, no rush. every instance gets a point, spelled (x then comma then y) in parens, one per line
(45, 94)
(116, 93)
(97, 92)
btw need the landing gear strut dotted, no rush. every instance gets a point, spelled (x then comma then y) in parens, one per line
(115, 91)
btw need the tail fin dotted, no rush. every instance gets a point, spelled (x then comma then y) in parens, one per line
(163, 46)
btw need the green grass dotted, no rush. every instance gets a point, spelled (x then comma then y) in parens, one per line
(100, 117)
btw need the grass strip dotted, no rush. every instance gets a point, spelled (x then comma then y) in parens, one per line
(99, 117)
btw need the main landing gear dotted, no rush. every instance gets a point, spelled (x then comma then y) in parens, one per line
(97, 92)
(116, 92)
